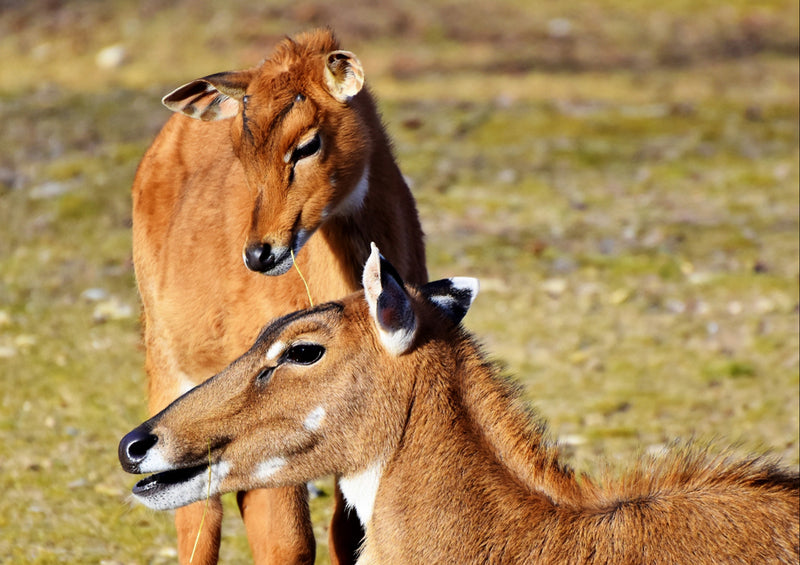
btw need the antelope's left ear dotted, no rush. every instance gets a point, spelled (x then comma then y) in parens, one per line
(452, 296)
(389, 304)
(211, 98)
(344, 76)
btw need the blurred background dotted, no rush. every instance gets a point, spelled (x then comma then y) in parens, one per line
(622, 176)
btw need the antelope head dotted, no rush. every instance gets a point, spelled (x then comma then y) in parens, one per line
(322, 391)
(299, 130)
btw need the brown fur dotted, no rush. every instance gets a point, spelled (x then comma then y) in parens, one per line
(469, 475)
(207, 189)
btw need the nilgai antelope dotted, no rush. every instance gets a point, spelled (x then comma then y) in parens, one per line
(437, 453)
(287, 159)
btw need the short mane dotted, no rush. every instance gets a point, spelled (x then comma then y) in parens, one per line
(516, 434)
(520, 439)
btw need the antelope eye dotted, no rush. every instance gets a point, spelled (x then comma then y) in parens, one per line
(304, 353)
(307, 149)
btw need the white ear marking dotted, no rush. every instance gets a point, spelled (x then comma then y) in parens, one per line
(371, 279)
(399, 341)
(389, 305)
(467, 283)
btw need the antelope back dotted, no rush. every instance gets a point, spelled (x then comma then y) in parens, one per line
(302, 127)
(322, 391)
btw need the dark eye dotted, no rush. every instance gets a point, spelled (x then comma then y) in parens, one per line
(307, 149)
(304, 353)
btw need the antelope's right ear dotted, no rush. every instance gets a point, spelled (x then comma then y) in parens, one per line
(452, 296)
(210, 98)
(389, 304)
(344, 75)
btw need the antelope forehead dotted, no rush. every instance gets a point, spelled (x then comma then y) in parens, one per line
(274, 331)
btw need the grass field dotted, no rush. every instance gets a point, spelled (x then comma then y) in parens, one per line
(623, 179)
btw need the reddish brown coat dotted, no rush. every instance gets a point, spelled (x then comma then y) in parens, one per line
(438, 453)
(209, 189)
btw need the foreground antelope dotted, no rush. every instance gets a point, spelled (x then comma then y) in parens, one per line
(287, 159)
(438, 455)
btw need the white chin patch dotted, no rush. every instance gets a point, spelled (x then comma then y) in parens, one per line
(166, 495)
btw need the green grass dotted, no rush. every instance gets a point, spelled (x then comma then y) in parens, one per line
(627, 193)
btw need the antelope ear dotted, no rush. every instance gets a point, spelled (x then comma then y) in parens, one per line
(452, 296)
(344, 76)
(210, 98)
(389, 304)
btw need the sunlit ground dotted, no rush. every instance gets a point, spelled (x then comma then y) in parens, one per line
(623, 179)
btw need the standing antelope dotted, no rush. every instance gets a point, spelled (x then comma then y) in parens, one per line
(285, 159)
(384, 389)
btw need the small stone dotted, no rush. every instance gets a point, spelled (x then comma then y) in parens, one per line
(49, 189)
(554, 287)
(619, 296)
(94, 294)
(111, 57)
(25, 340)
(111, 309)
(559, 28)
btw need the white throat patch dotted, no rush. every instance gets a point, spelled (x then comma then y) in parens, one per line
(361, 489)
(185, 384)
(353, 201)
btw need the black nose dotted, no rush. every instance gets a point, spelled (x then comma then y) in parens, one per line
(134, 447)
(259, 257)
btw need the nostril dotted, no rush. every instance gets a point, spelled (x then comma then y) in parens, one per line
(137, 450)
(259, 257)
(133, 448)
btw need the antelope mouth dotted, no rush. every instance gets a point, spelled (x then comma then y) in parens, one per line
(284, 255)
(166, 479)
(178, 487)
